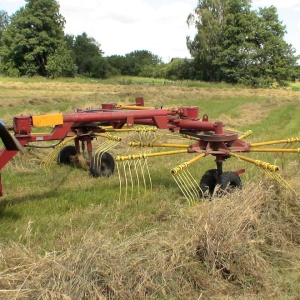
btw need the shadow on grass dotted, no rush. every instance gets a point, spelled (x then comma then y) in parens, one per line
(53, 192)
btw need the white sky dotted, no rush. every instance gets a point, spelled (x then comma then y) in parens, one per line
(159, 26)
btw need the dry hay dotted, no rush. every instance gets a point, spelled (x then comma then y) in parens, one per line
(251, 113)
(230, 248)
(34, 93)
(30, 161)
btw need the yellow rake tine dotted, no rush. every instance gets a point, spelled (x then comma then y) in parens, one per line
(109, 136)
(105, 146)
(149, 175)
(120, 183)
(131, 179)
(98, 159)
(182, 187)
(145, 155)
(142, 171)
(49, 158)
(189, 187)
(245, 134)
(137, 177)
(136, 144)
(284, 183)
(194, 183)
(277, 177)
(186, 188)
(143, 175)
(126, 180)
(286, 141)
(268, 173)
(268, 169)
(282, 150)
(110, 143)
(257, 163)
(121, 166)
(188, 184)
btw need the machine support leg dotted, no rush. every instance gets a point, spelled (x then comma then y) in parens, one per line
(90, 149)
(77, 146)
(220, 168)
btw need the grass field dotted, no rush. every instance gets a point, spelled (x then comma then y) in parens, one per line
(67, 235)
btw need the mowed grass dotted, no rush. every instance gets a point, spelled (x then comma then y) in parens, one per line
(150, 241)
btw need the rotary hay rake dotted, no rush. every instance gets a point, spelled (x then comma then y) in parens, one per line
(150, 124)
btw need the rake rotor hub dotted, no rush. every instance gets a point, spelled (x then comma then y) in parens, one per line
(213, 137)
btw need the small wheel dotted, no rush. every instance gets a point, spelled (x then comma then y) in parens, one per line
(208, 182)
(65, 154)
(229, 181)
(102, 165)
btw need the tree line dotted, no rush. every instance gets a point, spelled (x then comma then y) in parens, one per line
(233, 44)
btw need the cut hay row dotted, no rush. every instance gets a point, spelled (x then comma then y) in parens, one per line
(239, 246)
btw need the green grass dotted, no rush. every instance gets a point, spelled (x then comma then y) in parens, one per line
(124, 80)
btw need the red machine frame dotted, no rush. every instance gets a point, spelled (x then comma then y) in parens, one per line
(211, 138)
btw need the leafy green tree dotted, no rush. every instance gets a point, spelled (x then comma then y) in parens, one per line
(144, 57)
(237, 35)
(34, 35)
(136, 63)
(180, 69)
(102, 69)
(69, 40)
(239, 45)
(209, 20)
(61, 63)
(118, 62)
(87, 52)
(136, 60)
(275, 58)
(157, 71)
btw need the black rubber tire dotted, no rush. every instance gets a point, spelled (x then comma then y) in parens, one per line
(64, 155)
(228, 182)
(106, 166)
(208, 182)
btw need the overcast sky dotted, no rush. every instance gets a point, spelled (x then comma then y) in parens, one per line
(159, 26)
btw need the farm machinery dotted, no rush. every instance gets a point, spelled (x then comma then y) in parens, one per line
(204, 138)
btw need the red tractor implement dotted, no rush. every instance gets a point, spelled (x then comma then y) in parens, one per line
(83, 126)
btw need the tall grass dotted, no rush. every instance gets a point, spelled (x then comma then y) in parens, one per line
(237, 247)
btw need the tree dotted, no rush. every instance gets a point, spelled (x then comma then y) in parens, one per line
(136, 63)
(180, 69)
(61, 63)
(136, 60)
(144, 57)
(276, 58)
(87, 52)
(118, 62)
(209, 20)
(34, 35)
(239, 45)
